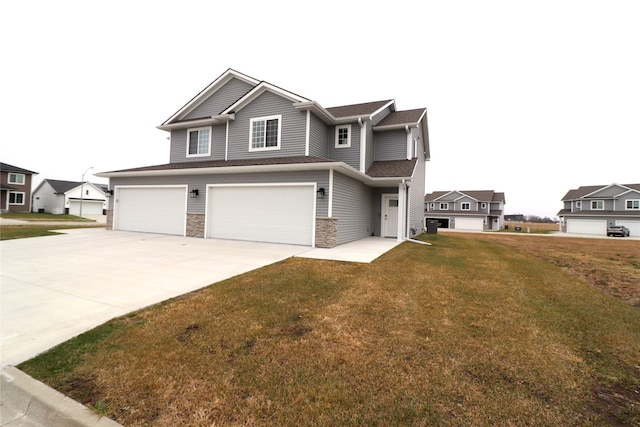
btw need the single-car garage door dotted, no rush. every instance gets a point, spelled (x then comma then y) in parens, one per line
(633, 226)
(262, 213)
(587, 226)
(150, 209)
(89, 207)
(469, 224)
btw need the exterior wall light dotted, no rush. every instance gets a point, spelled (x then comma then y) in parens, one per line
(320, 193)
(194, 193)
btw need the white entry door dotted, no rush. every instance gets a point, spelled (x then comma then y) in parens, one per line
(389, 215)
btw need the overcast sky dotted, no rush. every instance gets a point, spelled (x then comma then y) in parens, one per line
(529, 98)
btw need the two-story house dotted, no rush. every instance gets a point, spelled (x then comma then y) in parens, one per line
(70, 197)
(466, 210)
(591, 209)
(252, 161)
(15, 188)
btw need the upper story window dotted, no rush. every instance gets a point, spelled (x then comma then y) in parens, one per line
(632, 204)
(444, 206)
(484, 205)
(16, 178)
(597, 205)
(579, 204)
(265, 133)
(432, 205)
(465, 206)
(16, 198)
(343, 136)
(198, 142)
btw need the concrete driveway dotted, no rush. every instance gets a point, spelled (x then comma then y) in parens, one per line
(56, 287)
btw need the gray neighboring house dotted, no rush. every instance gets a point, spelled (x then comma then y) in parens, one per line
(15, 188)
(251, 161)
(591, 209)
(466, 210)
(63, 197)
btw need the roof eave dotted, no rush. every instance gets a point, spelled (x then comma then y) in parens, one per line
(208, 121)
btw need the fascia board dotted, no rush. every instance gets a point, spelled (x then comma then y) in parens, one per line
(213, 120)
(259, 90)
(208, 91)
(390, 103)
(317, 109)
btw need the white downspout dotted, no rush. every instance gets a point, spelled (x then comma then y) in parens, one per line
(330, 204)
(306, 145)
(401, 211)
(406, 128)
(226, 143)
(363, 145)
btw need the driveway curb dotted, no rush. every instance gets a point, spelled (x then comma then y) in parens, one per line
(28, 402)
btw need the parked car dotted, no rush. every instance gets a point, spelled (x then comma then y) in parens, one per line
(618, 230)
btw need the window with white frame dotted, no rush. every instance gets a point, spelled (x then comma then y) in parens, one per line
(632, 204)
(444, 206)
(343, 136)
(579, 204)
(198, 142)
(465, 206)
(484, 206)
(597, 205)
(265, 133)
(16, 178)
(433, 205)
(16, 198)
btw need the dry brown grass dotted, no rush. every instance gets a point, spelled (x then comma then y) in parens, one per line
(474, 331)
(534, 227)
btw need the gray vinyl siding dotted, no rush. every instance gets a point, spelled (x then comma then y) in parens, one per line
(416, 198)
(352, 201)
(376, 210)
(178, 146)
(390, 145)
(622, 202)
(221, 99)
(348, 155)
(293, 127)
(200, 182)
(378, 117)
(369, 155)
(608, 192)
(318, 134)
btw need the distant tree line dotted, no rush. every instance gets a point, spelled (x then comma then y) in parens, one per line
(535, 218)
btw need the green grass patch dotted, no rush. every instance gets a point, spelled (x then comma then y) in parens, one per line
(31, 216)
(464, 332)
(8, 232)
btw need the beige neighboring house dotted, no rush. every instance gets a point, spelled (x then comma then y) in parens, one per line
(65, 197)
(465, 210)
(591, 209)
(15, 188)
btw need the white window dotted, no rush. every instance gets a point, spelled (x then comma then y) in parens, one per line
(632, 204)
(465, 206)
(16, 198)
(198, 142)
(484, 206)
(579, 204)
(265, 133)
(444, 206)
(16, 178)
(597, 205)
(432, 205)
(343, 136)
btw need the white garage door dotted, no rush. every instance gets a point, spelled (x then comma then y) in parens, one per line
(469, 224)
(151, 209)
(587, 226)
(633, 226)
(89, 207)
(262, 213)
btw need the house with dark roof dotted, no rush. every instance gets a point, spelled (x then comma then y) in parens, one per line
(466, 210)
(70, 197)
(15, 188)
(252, 161)
(591, 209)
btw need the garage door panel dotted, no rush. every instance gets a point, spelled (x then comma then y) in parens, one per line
(633, 226)
(277, 214)
(469, 224)
(151, 210)
(89, 207)
(587, 226)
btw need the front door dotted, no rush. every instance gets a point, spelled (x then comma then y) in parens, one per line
(389, 215)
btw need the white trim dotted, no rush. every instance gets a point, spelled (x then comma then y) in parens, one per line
(596, 201)
(307, 134)
(446, 208)
(337, 133)
(199, 129)
(363, 145)
(226, 144)
(462, 208)
(264, 119)
(330, 207)
(24, 178)
(14, 203)
(627, 208)
(384, 197)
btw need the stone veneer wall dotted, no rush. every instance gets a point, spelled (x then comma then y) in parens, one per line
(326, 232)
(195, 224)
(109, 219)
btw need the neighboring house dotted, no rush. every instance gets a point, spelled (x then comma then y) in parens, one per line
(591, 209)
(15, 188)
(252, 161)
(514, 218)
(466, 210)
(64, 197)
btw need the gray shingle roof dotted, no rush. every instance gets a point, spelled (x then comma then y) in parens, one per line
(6, 167)
(480, 195)
(588, 189)
(357, 109)
(402, 117)
(392, 169)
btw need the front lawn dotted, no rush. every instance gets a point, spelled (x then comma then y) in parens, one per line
(470, 331)
(32, 216)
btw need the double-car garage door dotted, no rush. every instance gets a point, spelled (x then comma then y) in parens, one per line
(587, 226)
(263, 213)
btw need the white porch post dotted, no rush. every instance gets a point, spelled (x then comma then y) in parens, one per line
(401, 211)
